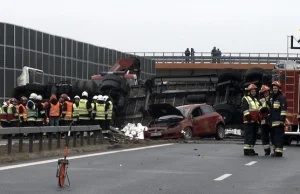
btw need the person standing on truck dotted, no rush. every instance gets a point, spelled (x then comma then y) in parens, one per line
(100, 112)
(41, 113)
(264, 123)
(54, 111)
(85, 110)
(76, 109)
(31, 110)
(278, 115)
(250, 108)
(108, 112)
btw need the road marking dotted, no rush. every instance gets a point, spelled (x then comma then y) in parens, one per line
(224, 176)
(80, 156)
(284, 148)
(250, 163)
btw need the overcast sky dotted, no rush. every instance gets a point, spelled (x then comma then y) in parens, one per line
(163, 25)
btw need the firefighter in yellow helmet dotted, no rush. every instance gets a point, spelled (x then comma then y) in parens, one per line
(278, 115)
(250, 108)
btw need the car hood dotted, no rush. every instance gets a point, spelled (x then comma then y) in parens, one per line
(160, 110)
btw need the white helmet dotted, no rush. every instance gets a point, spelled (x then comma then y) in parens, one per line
(100, 97)
(84, 94)
(76, 97)
(95, 97)
(33, 96)
(39, 97)
(105, 97)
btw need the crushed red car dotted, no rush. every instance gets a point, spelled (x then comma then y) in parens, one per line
(186, 121)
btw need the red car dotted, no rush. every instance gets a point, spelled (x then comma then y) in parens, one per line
(184, 121)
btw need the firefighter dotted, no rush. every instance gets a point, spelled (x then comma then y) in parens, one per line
(85, 110)
(23, 112)
(100, 112)
(4, 121)
(108, 112)
(41, 113)
(67, 109)
(250, 108)
(278, 115)
(12, 113)
(76, 109)
(93, 104)
(31, 110)
(54, 111)
(264, 122)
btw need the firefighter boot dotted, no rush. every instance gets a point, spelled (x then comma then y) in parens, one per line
(249, 152)
(267, 152)
(254, 153)
(277, 153)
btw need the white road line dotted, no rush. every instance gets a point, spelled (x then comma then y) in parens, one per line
(250, 163)
(80, 156)
(284, 148)
(224, 176)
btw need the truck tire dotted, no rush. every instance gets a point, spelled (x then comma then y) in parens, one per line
(255, 73)
(90, 86)
(229, 74)
(199, 98)
(111, 81)
(227, 111)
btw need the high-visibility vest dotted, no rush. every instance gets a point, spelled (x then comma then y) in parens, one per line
(110, 110)
(68, 113)
(83, 112)
(75, 111)
(31, 113)
(253, 110)
(100, 111)
(93, 104)
(54, 110)
(24, 114)
(10, 115)
(3, 114)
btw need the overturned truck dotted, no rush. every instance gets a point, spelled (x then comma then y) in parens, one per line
(132, 96)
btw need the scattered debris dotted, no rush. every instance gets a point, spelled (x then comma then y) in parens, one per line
(134, 131)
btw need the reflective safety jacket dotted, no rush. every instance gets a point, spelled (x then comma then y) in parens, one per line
(75, 112)
(264, 115)
(54, 110)
(68, 112)
(31, 111)
(250, 108)
(22, 113)
(100, 111)
(109, 110)
(278, 110)
(83, 110)
(3, 114)
(12, 113)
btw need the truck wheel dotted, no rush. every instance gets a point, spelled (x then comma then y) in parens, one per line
(229, 74)
(255, 73)
(227, 111)
(220, 132)
(111, 81)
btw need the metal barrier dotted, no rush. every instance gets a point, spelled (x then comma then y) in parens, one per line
(206, 57)
(37, 132)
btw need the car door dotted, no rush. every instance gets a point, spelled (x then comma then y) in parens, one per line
(207, 120)
(196, 118)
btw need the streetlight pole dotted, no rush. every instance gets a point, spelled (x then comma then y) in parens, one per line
(287, 47)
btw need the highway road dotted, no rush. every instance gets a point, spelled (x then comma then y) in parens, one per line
(173, 168)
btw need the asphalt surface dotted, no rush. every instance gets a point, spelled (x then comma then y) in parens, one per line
(178, 168)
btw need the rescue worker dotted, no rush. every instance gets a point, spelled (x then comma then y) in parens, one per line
(12, 113)
(100, 112)
(250, 108)
(54, 111)
(67, 109)
(264, 122)
(93, 104)
(278, 115)
(31, 110)
(4, 121)
(85, 110)
(41, 113)
(23, 111)
(108, 112)
(76, 109)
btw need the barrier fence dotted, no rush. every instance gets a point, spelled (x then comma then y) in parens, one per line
(206, 57)
(37, 133)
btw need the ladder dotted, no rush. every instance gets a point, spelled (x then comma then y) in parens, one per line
(289, 91)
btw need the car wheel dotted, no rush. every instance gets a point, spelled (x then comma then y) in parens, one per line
(220, 132)
(188, 133)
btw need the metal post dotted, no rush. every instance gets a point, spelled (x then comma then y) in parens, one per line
(287, 47)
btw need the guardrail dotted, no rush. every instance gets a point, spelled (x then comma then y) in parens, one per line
(37, 132)
(206, 57)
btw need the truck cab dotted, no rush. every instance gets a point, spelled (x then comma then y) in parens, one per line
(30, 76)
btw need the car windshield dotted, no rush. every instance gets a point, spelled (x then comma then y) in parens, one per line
(184, 110)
